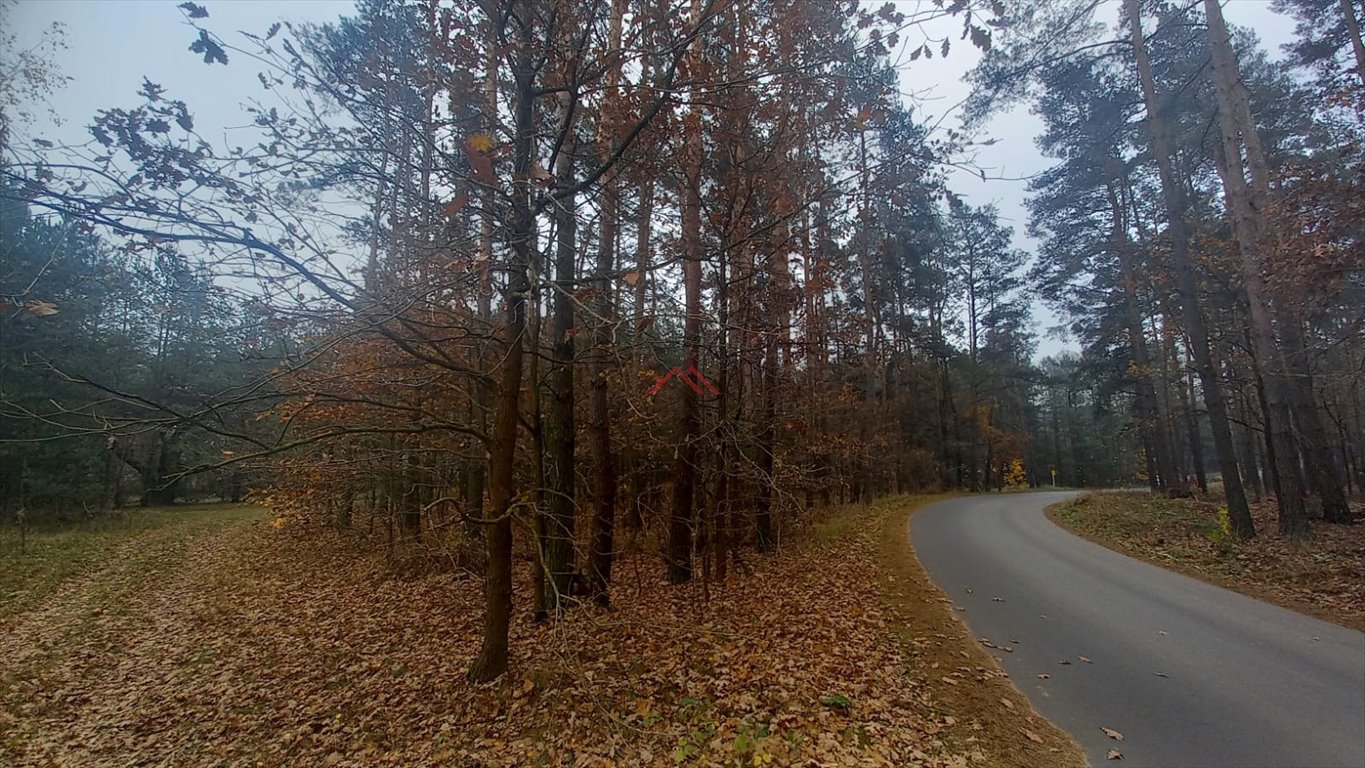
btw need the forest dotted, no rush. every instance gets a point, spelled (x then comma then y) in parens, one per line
(524, 285)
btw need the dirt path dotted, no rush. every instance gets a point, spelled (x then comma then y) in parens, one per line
(76, 668)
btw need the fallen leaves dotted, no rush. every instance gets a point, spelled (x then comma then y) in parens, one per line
(1114, 754)
(1324, 576)
(260, 646)
(1111, 733)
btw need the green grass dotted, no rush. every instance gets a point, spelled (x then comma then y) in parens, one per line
(34, 566)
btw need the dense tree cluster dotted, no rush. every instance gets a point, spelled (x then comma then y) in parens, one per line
(542, 280)
(1176, 231)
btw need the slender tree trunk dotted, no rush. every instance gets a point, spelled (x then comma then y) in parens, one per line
(477, 473)
(723, 524)
(1151, 423)
(1232, 103)
(634, 465)
(1193, 434)
(491, 662)
(599, 410)
(1182, 267)
(763, 510)
(682, 510)
(1348, 12)
(561, 506)
(535, 333)
(1322, 473)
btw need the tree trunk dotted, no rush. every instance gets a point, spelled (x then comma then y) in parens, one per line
(682, 512)
(1193, 434)
(561, 506)
(1322, 474)
(535, 331)
(1182, 267)
(1151, 423)
(602, 548)
(482, 400)
(1232, 110)
(763, 510)
(1348, 13)
(491, 662)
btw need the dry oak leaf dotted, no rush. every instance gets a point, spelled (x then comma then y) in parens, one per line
(1033, 737)
(1114, 754)
(40, 308)
(1111, 733)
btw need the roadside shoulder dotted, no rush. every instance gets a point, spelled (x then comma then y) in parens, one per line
(982, 710)
(1324, 578)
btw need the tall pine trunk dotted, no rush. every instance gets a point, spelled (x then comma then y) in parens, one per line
(1233, 116)
(603, 528)
(1182, 267)
(561, 506)
(682, 511)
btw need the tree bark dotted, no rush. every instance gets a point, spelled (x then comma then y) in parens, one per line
(682, 512)
(1348, 13)
(1233, 112)
(1182, 267)
(491, 662)
(562, 504)
(603, 529)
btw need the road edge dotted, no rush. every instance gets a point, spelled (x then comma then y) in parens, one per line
(1231, 585)
(1014, 736)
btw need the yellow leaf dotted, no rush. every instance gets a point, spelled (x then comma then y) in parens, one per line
(480, 142)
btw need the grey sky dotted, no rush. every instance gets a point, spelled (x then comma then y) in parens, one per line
(113, 44)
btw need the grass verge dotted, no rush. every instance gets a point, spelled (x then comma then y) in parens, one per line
(965, 680)
(34, 564)
(1324, 577)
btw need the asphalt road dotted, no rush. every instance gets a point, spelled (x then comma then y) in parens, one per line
(1190, 674)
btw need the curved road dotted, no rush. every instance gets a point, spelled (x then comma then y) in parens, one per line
(1190, 674)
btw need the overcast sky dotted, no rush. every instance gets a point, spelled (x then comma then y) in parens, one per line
(113, 44)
